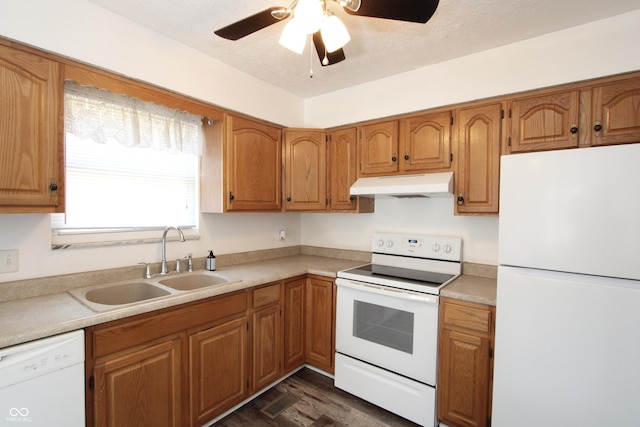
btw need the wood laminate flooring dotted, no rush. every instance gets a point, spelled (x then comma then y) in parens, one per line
(320, 404)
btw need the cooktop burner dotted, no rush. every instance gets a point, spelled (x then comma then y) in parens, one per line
(412, 262)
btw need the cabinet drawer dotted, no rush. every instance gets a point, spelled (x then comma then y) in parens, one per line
(269, 294)
(468, 317)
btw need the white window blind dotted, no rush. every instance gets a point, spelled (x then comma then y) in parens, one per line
(129, 164)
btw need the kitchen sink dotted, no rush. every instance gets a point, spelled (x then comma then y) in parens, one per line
(193, 281)
(125, 293)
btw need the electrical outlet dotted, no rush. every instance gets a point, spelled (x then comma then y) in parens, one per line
(9, 261)
(282, 234)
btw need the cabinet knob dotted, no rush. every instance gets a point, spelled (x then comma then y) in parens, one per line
(406, 157)
(53, 187)
(352, 198)
(597, 128)
(460, 200)
(231, 196)
(574, 129)
(394, 158)
(288, 199)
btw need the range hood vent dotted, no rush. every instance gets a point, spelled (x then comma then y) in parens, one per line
(405, 186)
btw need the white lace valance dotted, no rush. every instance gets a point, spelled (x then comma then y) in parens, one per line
(99, 115)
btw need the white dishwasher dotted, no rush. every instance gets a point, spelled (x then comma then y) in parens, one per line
(42, 382)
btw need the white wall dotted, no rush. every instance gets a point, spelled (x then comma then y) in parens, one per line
(81, 30)
(84, 31)
(600, 48)
(425, 216)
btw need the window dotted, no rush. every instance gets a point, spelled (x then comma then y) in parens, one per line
(130, 165)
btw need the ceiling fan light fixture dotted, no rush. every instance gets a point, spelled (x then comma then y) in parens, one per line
(334, 33)
(294, 36)
(310, 14)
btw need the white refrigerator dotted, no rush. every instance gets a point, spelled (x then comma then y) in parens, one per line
(567, 343)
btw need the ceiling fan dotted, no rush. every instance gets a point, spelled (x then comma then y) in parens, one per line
(328, 33)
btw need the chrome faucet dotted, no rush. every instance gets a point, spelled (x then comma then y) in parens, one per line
(164, 247)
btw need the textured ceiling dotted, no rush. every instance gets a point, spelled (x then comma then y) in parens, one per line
(378, 47)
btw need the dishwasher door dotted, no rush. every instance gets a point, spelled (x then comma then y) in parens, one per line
(42, 382)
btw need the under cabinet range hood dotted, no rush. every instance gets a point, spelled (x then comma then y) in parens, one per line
(405, 186)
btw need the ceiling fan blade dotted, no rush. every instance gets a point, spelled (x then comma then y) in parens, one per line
(419, 11)
(326, 58)
(249, 25)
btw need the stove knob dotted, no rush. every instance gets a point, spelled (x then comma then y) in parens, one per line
(389, 243)
(435, 247)
(380, 242)
(446, 248)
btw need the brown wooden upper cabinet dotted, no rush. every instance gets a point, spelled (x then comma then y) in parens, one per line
(343, 172)
(305, 152)
(616, 113)
(478, 137)
(545, 122)
(410, 145)
(241, 166)
(31, 145)
(378, 148)
(425, 142)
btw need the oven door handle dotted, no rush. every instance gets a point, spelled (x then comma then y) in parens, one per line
(387, 291)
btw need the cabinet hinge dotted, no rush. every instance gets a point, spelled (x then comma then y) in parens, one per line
(509, 112)
(247, 384)
(451, 157)
(451, 121)
(92, 382)
(231, 196)
(502, 114)
(490, 353)
(247, 326)
(509, 142)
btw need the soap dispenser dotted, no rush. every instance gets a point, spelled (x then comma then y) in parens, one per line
(211, 262)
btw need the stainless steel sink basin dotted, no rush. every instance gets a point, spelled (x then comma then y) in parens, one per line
(125, 293)
(193, 281)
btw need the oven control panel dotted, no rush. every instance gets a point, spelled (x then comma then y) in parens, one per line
(418, 245)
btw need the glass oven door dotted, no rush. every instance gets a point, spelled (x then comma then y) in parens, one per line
(390, 328)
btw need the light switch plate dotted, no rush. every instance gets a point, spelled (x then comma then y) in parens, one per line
(8, 261)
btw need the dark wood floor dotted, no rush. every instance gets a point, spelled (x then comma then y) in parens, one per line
(320, 404)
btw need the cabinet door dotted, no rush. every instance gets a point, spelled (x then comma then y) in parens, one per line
(141, 387)
(343, 165)
(294, 324)
(616, 113)
(478, 136)
(320, 324)
(426, 142)
(31, 167)
(218, 367)
(464, 376)
(267, 347)
(378, 149)
(546, 122)
(253, 166)
(305, 169)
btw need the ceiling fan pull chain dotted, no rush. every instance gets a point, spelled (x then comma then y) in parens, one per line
(310, 58)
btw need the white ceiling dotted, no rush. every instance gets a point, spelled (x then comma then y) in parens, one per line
(378, 47)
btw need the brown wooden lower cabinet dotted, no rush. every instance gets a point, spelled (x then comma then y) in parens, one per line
(294, 323)
(320, 323)
(186, 365)
(465, 363)
(218, 369)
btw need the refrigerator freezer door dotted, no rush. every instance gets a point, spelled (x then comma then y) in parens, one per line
(567, 350)
(572, 210)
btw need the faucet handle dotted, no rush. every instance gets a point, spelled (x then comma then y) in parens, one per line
(147, 273)
(178, 269)
(190, 262)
